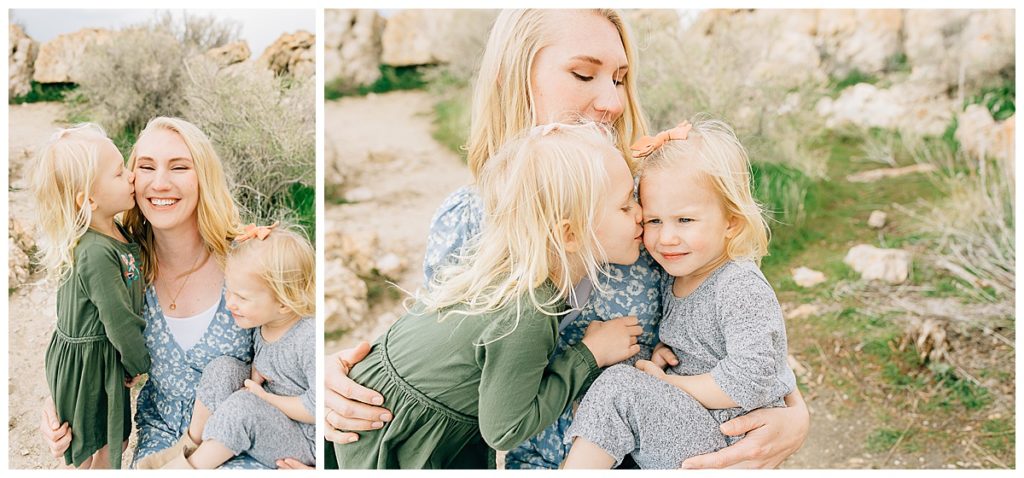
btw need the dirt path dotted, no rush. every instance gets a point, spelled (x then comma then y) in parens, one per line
(383, 146)
(32, 305)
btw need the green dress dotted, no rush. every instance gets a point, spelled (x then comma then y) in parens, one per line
(98, 343)
(460, 387)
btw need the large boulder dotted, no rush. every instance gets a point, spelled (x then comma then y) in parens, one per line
(912, 107)
(888, 265)
(229, 54)
(292, 53)
(427, 37)
(352, 45)
(19, 250)
(981, 136)
(959, 46)
(21, 56)
(344, 297)
(58, 59)
(862, 40)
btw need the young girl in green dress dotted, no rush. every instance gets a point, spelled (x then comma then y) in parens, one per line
(467, 369)
(97, 351)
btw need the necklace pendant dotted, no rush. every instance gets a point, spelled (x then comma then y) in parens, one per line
(173, 306)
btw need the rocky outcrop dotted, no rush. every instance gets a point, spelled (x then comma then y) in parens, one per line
(981, 136)
(917, 107)
(953, 47)
(291, 53)
(352, 46)
(229, 54)
(21, 56)
(19, 249)
(888, 265)
(862, 40)
(58, 59)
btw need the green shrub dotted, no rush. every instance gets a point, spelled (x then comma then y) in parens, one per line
(391, 79)
(41, 92)
(999, 100)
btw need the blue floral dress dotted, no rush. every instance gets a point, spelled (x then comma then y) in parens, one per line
(630, 290)
(164, 406)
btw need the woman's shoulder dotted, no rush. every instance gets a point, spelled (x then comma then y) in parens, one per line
(464, 201)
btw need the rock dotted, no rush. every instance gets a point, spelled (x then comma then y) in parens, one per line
(877, 219)
(359, 195)
(352, 46)
(876, 174)
(344, 297)
(427, 37)
(918, 107)
(356, 250)
(58, 59)
(981, 136)
(803, 311)
(229, 54)
(954, 46)
(889, 265)
(390, 265)
(21, 56)
(863, 40)
(805, 277)
(292, 53)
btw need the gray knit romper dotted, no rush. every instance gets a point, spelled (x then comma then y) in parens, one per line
(244, 422)
(730, 326)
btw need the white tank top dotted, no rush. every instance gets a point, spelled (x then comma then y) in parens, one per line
(187, 331)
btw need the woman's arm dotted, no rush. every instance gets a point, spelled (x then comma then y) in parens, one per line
(773, 434)
(350, 406)
(56, 435)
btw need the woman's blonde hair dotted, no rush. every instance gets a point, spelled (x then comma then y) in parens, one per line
(287, 265)
(713, 149)
(538, 187)
(503, 96)
(218, 215)
(65, 168)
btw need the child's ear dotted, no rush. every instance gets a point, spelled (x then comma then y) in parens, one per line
(283, 309)
(572, 243)
(80, 198)
(733, 227)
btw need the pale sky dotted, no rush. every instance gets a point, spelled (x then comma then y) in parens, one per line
(258, 27)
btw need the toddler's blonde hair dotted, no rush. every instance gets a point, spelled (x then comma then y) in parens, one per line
(713, 149)
(287, 265)
(548, 177)
(217, 213)
(65, 167)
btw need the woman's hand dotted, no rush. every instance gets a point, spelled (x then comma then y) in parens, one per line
(56, 435)
(292, 464)
(772, 435)
(350, 405)
(129, 383)
(663, 356)
(613, 341)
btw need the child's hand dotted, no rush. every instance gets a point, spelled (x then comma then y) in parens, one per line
(255, 388)
(614, 340)
(257, 377)
(663, 356)
(133, 381)
(652, 369)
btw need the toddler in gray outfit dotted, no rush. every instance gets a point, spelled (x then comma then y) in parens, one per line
(266, 410)
(721, 318)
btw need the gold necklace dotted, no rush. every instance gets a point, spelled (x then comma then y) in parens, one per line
(174, 299)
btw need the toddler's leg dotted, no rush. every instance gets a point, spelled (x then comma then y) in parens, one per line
(602, 418)
(586, 454)
(221, 378)
(246, 423)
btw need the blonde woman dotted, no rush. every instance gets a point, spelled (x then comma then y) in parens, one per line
(97, 350)
(470, 359)
(722, 319)
(184, 220)
(542, 66)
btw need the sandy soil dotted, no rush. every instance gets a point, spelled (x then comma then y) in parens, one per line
(32, 306)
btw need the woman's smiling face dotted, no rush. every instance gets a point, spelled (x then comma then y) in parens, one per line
(166, 184)
(580, 72)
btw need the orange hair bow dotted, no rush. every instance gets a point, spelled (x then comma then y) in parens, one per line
(647, 144)
(253, 231)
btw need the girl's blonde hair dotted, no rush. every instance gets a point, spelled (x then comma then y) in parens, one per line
(503, 96)
(549, 179)
(65, 167)
(217, 212)
(712, 148)
(287, 265)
